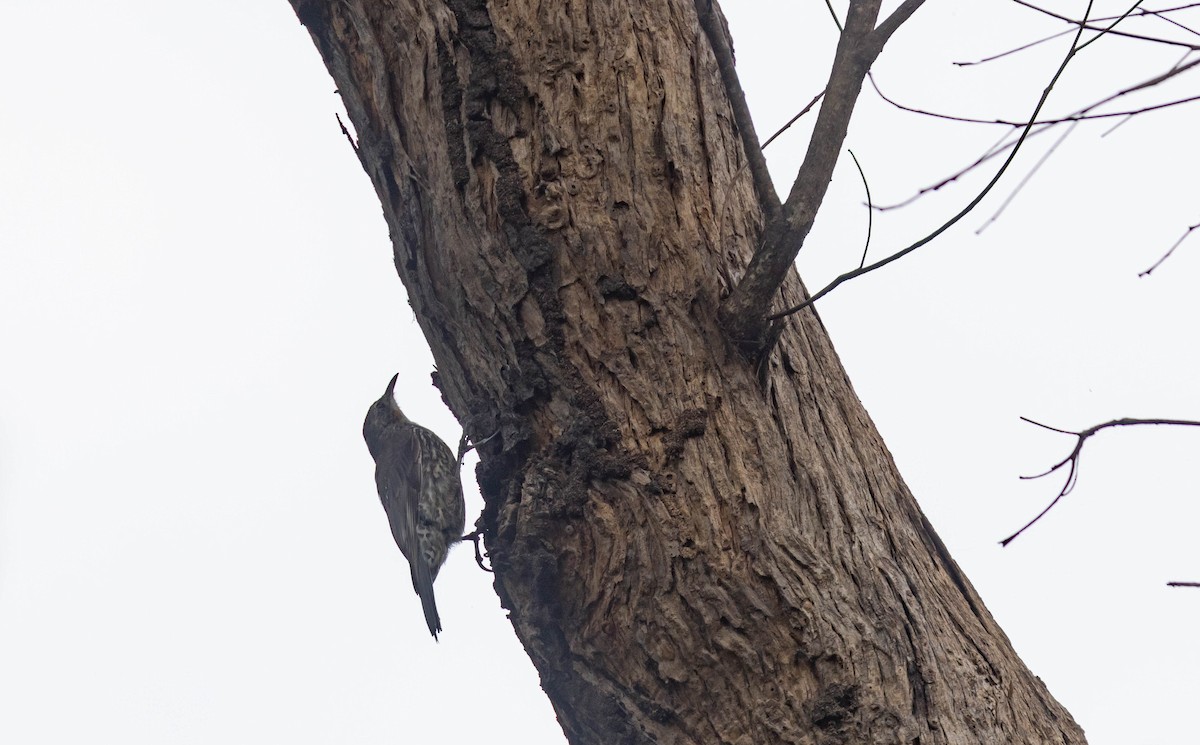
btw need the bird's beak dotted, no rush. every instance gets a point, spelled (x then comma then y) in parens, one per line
(389, 394)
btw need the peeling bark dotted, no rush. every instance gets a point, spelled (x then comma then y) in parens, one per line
(692, 550)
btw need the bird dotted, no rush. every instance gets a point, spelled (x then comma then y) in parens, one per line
(417, 476)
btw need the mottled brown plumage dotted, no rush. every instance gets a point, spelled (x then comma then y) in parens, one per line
(417, 477)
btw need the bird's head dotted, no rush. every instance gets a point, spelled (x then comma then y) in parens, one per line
(382, 413)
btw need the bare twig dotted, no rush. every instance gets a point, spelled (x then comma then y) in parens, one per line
(1187, 6)
(1071, 462)
(1116, 126)
(999, 148)
(1183, 584)
(1015, 50)
(1026, 178)
(1161, 14)
(1170, 250)
(833, 14)
(894, 21)
(743, 313)
(1085, 24)
(1060, 120)
(870, 209)
(1083, 114)
(1075, 47)
(996, 150)
(772, 138)
(1109, 28)
(793, 120)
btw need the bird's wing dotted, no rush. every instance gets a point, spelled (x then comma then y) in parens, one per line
(399, 481)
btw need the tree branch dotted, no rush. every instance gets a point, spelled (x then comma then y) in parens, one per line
(713, 23)
(893, 22)
(743, 314)
(1071, 462)
(1075, 47)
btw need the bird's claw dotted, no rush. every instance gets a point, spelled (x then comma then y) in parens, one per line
(474, 538)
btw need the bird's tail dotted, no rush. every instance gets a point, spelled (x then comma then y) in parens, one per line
(423, 583)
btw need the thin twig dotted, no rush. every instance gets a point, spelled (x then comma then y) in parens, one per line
(870, 209)
(1162, 16)
(1021, 48)
(833, 14)
(793, 120)
(1071, 462)
(1183, 584)
(1170, 250)
(1109, 28)
(1079, 115)
(1026, 179)
(1000, 147)
(1124, 34)
(742, 314)
(1139, 13)
(1059, 120)
(965, 210)
(1116, 126)
(1041, 126)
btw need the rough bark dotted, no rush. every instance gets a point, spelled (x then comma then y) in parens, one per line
(692, 550)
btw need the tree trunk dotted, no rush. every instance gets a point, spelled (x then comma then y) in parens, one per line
(694, 548)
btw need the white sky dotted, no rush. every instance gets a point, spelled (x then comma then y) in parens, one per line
(197, 304)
